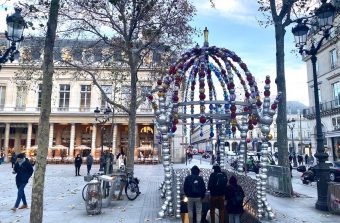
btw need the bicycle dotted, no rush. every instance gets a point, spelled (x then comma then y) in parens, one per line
(131, 187)
(92, 195)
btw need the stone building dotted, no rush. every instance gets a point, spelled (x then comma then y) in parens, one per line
(73, 129)
(328, 74)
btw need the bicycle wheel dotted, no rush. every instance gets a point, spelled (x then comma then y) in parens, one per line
(132, 190)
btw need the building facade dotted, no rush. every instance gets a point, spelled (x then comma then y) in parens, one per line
(328, 74)
(73, 128)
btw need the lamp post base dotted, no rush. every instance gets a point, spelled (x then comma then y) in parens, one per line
(322, 176)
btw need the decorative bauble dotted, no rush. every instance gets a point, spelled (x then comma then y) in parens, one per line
(159, 82)
(248, 140)
(258, 103)
(192, 87)
(163, 207)
(271, 215)
(211, 134)
(269, 136)
(160, 94)
(161, 214)
(233, 108)
(267, 93)
(178, 215)
(173, 128)
(202, 96)
(175, 98)
(203, 119)
(250, 127)
(233, 129)
(162, 119)
(165, 137)
(274, 106)
(163, 129)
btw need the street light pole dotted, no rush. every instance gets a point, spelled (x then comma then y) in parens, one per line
(102, 116)
(325, 16)
(15, 28)
(292, 150)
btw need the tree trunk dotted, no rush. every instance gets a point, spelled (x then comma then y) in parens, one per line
(36, 215)
(280, 81)
(132, 115)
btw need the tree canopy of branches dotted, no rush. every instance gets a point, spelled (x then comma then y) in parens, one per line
(134, 29)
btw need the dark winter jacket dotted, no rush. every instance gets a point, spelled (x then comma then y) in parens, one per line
(14, 158)
(230, 193)
(23, 171)
(212, 182)
(89, 160)
(78, 161)
(188, 190)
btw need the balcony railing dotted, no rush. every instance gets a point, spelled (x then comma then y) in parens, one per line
(326, 108)
(57, 110)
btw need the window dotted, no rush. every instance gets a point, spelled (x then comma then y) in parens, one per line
(126, 95)
(64, 97)
(336, 93)
(2, 97)
(108, 91)
(39, 95)
(85, 97)
(21, 98)
(334, 58)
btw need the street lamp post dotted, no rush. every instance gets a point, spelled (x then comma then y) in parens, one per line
(325, 16)
(14, 34)
(291, 125)
(102, 116)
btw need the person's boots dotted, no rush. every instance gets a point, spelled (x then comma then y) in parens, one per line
(24, 206)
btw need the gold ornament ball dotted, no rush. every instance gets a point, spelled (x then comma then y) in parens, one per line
(160, 94)
(269, 136)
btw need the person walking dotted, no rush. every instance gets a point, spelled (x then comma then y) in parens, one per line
(306, 159)
(89, 162)
(311, 160)
(300, 159)
(234, 196)
(194, 189)
(217, 186)
(23, 170)
(77, 162)
(13, 159)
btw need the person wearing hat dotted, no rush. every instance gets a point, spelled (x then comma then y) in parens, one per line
(23, 170)
(194, 189)
(217, 186)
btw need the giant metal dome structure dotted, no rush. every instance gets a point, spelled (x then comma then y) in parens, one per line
(174, 103)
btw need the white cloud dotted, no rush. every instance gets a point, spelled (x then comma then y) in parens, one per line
(243, 11)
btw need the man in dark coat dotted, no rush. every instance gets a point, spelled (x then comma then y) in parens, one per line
(89, 162)
(77, 162)
(217, 185)
(23, 170)
(194, 189)
(234, 196)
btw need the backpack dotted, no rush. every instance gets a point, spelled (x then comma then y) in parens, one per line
(237, 198)
(196, 189)
(221, 181)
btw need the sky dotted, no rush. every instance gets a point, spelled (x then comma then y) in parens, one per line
(233, 24)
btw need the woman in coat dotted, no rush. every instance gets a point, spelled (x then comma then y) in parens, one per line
(77, 162)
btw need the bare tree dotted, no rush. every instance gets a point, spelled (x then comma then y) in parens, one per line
(279, 13)
(36, 215)
(134, 28)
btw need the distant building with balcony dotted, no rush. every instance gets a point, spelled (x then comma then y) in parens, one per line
(328, 73)
(73, 129)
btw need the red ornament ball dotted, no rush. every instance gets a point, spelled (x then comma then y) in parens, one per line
(248, 140)
(203, 119)
(150, 97)
(202, 96)
(267, 81)
(233, 129)
(159, 82)
(258, 103)
(250, 127)
(274, 106)
(267, 93)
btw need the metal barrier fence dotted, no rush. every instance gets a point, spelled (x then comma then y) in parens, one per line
(278, 177)
(248, 184)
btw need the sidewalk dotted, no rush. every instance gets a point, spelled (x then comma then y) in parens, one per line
(63, 201)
